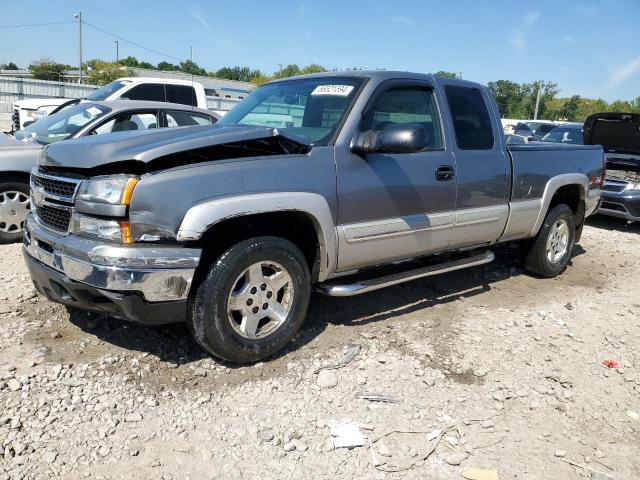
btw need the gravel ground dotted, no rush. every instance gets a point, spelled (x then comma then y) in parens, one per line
(487, 368)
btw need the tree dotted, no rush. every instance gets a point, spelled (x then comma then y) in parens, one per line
(101, 72)
(129, 61)
(570, 110)
(241, 74)
(508, 96)
(443, 73)
(313, 68)
(189, 66)
(9, 66)
(261, 80)
(47, 69)
(288, 71)
(146, 65)
(167, 67)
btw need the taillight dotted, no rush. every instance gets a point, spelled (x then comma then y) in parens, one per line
(604, 170)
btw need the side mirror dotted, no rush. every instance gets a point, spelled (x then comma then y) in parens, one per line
(393, 138)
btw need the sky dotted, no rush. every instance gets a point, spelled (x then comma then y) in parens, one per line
(589, 48)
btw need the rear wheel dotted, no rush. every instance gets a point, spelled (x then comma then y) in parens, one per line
(14, 208)
(549, 253)
(252, 301)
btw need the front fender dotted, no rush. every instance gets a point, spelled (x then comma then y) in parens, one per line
(202, 216)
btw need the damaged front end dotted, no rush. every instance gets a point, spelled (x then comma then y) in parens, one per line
(138, 153)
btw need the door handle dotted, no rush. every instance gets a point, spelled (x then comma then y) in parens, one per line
(445, 173)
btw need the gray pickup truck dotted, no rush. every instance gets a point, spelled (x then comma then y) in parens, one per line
(346, 183)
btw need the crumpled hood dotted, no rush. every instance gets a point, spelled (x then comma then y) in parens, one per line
(135, 146)
(8, 142)
(616, 132)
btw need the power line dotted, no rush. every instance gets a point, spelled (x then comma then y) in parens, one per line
(35, 24)
(106, 32)
(132, 42)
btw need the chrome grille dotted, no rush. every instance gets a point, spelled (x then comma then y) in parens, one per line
(56, 218)
(55, 187)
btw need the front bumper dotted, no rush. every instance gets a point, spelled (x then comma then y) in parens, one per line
(145, 283)
(624, 204)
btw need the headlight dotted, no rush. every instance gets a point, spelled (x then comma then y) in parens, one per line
(112, 189)
(113, 230)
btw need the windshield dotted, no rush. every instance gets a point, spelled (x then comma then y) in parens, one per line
(312, 107)
(103, 92)
(63, 124)
(544, 128)
(564, 135)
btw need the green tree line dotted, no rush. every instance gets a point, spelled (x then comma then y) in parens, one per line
(515, 100)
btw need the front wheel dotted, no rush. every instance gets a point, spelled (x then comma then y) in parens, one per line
(14, 208)
(550, 251)
(252, 301)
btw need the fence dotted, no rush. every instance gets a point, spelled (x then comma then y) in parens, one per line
(13, 89)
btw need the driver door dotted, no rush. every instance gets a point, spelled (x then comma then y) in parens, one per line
(394, 206)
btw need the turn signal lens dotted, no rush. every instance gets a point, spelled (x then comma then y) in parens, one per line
(128, 190)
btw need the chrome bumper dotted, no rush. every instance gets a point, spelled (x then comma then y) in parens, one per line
(160, 273)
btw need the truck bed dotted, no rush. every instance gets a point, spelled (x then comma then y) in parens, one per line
(535, 163)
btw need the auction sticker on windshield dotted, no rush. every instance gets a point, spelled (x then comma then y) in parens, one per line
(338, 90)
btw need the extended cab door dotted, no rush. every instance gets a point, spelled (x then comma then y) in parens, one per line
(401, 205)
(483, 169)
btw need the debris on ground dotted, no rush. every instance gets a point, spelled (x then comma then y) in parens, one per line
(610, 363)
(346, 434)
(351, 353)
(479, 474)
(376, 397)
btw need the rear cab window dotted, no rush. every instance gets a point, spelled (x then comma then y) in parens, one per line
(471, 120)
(146, 91)
(182, 94)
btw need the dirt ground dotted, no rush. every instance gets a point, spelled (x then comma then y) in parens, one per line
(487, 368)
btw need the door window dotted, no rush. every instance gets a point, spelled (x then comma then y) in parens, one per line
(182, 94)
(128, 121)
(177, 118)
(407, 104)
(146, 91)
(471, 121)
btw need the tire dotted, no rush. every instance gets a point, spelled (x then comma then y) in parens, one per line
(14, 208)
(217, 325)
(550, 251)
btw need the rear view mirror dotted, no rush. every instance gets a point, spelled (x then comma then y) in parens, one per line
(393, 138)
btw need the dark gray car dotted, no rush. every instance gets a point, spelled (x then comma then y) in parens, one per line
(19, 153)
(342, 182)
(619, 135)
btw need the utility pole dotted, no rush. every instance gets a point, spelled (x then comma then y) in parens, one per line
(117, 52)
(79, 17)
(535, 113)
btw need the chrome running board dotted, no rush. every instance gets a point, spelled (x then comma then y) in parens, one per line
(335, 289)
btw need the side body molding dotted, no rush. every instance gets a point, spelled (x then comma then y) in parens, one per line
(202, 216)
